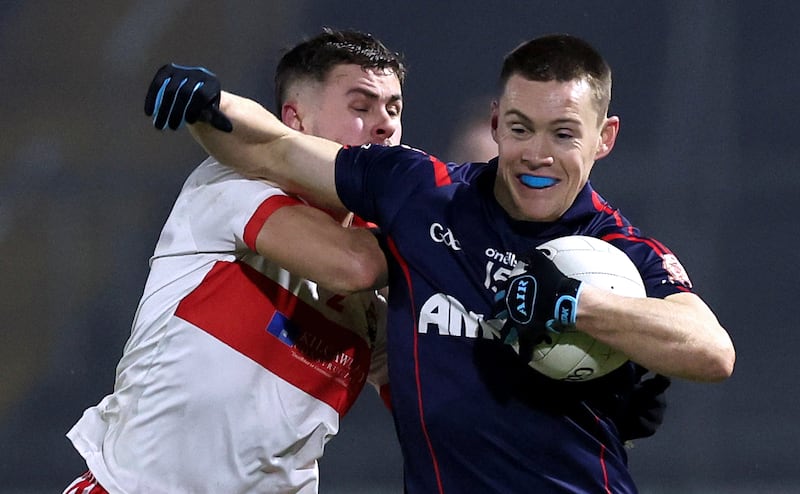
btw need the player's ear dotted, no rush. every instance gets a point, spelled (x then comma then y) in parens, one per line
(291, 117)
(494, 119)
(608, 136)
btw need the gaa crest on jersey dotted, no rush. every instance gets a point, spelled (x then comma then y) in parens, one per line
(675, 272)
(443, 235)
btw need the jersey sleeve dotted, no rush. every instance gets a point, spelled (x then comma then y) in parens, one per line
(219, 210)
(271, 204)
(375, 181)
(662, 273)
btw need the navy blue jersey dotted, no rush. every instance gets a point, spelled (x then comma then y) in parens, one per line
(470, 415)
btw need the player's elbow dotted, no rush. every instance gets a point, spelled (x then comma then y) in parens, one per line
(717, 363)
(364, 271)
(361, 263)
(721, 367)
(725, 356)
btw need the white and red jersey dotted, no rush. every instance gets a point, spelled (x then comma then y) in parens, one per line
(236, 372)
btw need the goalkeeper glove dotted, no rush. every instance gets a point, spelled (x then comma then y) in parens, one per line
(189, 94)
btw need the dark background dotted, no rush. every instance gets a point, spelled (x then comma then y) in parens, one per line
(707, 162)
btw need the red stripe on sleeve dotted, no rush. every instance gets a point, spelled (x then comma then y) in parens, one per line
(440, 173)
(657, 247)
(603, 206)
(269, 206)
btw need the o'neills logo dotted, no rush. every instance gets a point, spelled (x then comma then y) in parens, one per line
(507, 258)
(519, 299)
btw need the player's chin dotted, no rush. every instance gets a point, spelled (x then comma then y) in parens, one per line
(540, 205)
(537, 212)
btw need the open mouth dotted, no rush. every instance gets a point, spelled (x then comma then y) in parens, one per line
(537, 182)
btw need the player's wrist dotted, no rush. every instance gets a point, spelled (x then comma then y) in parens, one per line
(565, 308)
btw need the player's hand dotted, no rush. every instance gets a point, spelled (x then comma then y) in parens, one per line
(189, 94)
(645, 409)
(536, 301)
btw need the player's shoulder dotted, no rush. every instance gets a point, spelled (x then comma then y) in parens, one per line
(213, 177)
(399, 152)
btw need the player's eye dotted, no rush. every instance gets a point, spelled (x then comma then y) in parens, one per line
(518, 129)
(564, 134)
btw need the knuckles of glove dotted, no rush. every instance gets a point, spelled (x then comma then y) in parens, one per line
(179, 94)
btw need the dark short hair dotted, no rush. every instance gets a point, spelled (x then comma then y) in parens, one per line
(314, 58)
(561, 57)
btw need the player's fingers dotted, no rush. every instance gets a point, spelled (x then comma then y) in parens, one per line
(161, 108)
(181, 105)
(166, 102)
(156, 90)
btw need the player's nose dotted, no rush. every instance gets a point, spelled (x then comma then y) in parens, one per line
(537, 152)
(386, 130)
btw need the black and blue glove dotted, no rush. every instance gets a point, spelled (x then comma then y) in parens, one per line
(537, 301)
(180, 94)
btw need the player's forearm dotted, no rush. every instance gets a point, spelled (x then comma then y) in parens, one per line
(254, 129)
(261, 146)
(677, 336)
